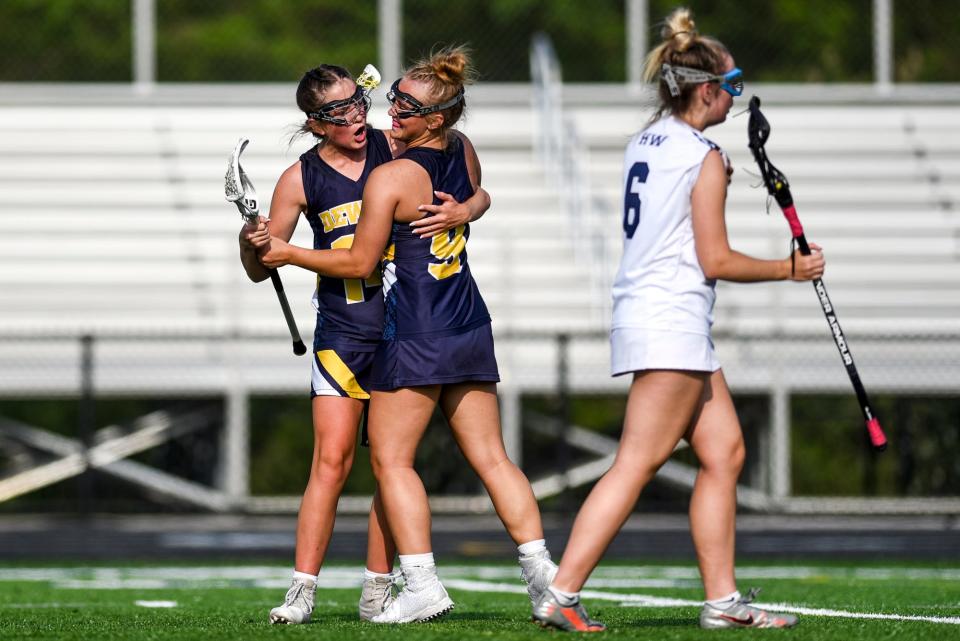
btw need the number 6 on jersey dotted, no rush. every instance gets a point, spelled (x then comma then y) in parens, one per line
(631, 199)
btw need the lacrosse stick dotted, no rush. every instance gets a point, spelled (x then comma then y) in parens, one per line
(369, 79)
(239, 190)
(776, 183)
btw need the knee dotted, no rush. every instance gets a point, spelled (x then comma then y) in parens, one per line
(384, 464)
(332, 467)
(727, 459)
(487, 466)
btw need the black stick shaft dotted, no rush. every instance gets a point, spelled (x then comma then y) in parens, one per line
(877, 437)
(298, 347)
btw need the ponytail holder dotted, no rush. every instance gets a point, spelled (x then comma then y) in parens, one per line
(666, 72)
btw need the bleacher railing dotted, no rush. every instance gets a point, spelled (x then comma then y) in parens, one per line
(565, 159)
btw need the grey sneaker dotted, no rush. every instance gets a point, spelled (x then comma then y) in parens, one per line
(378, 593)
(548, 613)
(743, 615)
(538, 572)
(425, 600)
(297, 605)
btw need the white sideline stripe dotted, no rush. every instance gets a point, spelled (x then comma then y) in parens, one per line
(610, 576)
(454, 577)
(648, 601)
(156, 604)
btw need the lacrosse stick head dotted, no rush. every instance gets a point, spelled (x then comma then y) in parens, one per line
(369, 79)
(237, 186)
(758, 129)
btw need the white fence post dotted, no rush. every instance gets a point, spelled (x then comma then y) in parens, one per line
(390, 38)
(144, 19)
(883, 45)
(637, 17)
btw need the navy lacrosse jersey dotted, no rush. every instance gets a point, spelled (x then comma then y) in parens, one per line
(348, 309)
(429, 290)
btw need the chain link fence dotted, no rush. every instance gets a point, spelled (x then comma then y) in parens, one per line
(783, 41)
(560, 383)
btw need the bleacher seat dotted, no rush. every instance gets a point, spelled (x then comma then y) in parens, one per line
(116, 224)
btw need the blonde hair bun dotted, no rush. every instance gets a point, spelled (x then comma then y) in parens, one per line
(680, 28)
(450, 65)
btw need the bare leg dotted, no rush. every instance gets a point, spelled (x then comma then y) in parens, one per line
(381, 549)
(471, 409)
(334, 442)
(398, 420)
(659, 409)
(717, 440)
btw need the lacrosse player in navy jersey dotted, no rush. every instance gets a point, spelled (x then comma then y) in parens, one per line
(437, 345)
(675, 249)
(326, 186)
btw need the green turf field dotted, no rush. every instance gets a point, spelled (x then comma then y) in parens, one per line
(638, 601)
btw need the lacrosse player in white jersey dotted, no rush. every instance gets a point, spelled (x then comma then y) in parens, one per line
(675, 249)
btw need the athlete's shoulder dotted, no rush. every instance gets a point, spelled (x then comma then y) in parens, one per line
(673, 142)
(292, 177)
(396, 172)
(311, 156)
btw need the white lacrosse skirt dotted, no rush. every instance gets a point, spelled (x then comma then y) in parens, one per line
(635, 349)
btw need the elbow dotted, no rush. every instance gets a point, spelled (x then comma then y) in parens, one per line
(361, 269)
(711, 272)
(713, 268)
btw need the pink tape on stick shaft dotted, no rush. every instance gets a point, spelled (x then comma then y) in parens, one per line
(877, 437)
(796, 228)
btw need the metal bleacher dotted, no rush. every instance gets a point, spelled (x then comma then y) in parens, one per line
(117, 226)
(117, 230)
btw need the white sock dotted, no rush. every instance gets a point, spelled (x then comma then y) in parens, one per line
(303, 576)
(419, 570)
(412, 560)
(532, 547)
(370, 574)
(566, 599)
(725, 602)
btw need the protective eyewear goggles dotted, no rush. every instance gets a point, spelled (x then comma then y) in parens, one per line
(344, 112)
(407, 106)
(731, 82)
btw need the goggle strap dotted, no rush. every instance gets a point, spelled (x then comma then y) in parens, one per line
(420, 110)
(667, 72)
(670, 74)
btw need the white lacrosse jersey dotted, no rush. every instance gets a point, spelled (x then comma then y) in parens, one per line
(660, 284)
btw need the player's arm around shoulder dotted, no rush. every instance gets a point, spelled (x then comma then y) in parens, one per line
(380, 196)
(450, 213)
(480, 201)
(286, 206)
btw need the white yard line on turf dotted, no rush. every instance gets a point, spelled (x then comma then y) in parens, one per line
(465, 577)
(649, 601)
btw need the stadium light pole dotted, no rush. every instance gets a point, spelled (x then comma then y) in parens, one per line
(144, 18)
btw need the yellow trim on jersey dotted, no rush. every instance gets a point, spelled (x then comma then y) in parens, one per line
(346, 379)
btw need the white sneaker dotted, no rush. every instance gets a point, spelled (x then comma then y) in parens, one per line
(297, 605)
(378, 593)
(420, 600)
(743, 615)
(538, 572)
